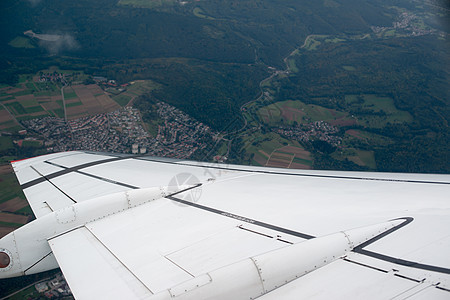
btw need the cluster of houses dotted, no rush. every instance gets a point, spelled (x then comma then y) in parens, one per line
(319, 130)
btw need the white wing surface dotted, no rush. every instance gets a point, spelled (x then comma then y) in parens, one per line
(224, 231)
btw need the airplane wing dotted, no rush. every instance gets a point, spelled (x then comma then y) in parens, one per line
(139, 227)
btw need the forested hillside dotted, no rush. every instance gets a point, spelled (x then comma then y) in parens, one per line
(211, 57)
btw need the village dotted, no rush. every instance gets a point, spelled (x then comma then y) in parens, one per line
(406, 25)
(318, 130)
(122, 131)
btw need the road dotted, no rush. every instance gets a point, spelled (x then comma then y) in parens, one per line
(64, 102)
(261, 94)
(235, 133)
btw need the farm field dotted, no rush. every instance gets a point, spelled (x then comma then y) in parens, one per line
(21, 42)
(32, 98)
(365, 137)
(140, 87)
(274, 151)
(363, 111)
(292, 157)
(14, 209)
(290, 111)
(92, 100)
(123, 98)
(361, 157)
(134, 90)
(7, 121)
(376, 111)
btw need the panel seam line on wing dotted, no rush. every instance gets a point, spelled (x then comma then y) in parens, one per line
(124, 265)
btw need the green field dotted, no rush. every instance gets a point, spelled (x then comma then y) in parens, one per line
(290, 111)
(7, 98)
(21, 42)
(314, 41)
(34, 144)
(7, 159)
(291, 65)
(142, 86)
(152, 127)
(266, 142)
(28, 293)
(70, 95)
(5, 143)
(30, 86)
(74, 104)
(9, 187)
(360, 136)
(10, 224)
(302, 161)
(23, 93)
(28, 117)
(198, 12)
(16, 108)
(362, 157)
(259, 147)
(389, 33)
(24, 78)
(375, 111)
(11, 126)
(121, 99)
(312, 44)
(222, 148)
(47, 92)
(47, 86)
(29, 103)
(26, 210)
(334, 40)
(59, 113)
(33, 109)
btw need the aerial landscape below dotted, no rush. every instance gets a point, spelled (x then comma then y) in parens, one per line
(345, 85)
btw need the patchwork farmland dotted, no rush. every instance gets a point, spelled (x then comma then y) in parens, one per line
(34, 98)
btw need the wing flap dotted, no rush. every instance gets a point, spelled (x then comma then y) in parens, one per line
(209, 254)
(180, 242)
(343, 280)
(86, 262)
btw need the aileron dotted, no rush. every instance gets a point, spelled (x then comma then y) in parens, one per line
(86, 262)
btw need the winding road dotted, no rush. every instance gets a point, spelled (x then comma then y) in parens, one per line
(276, 72)
(261, 94)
